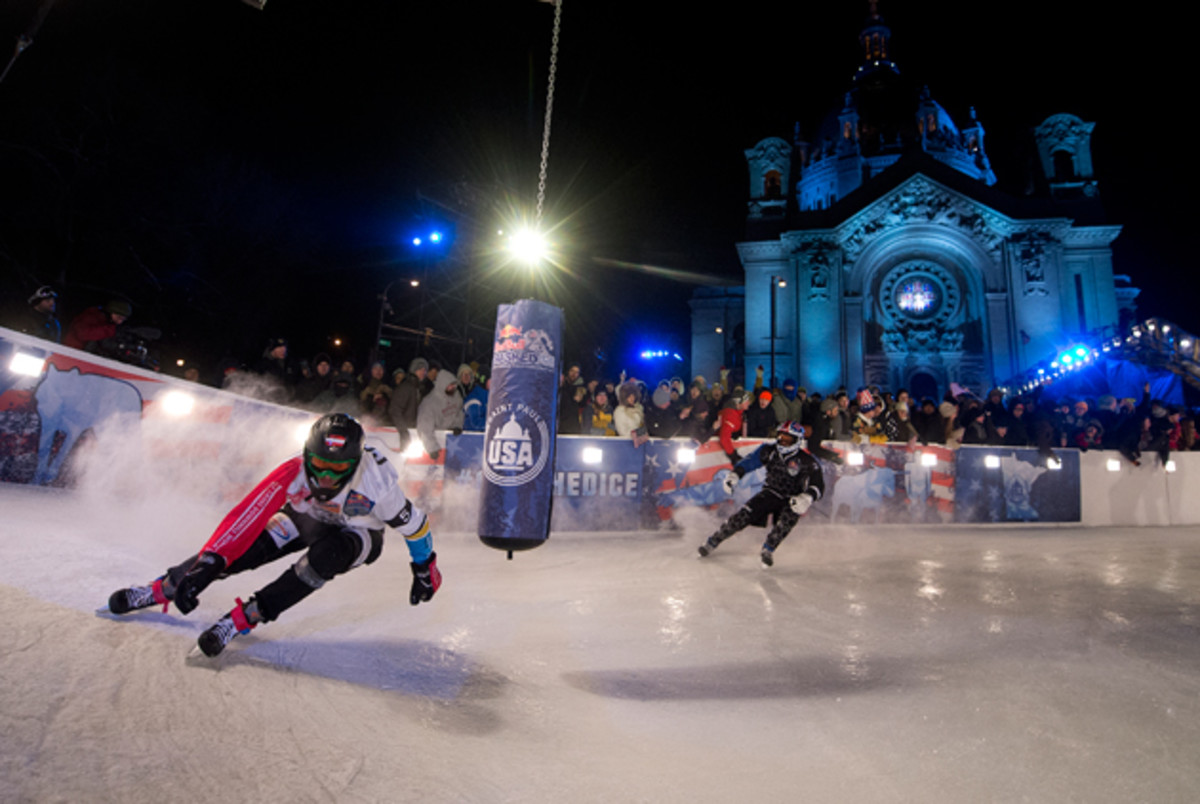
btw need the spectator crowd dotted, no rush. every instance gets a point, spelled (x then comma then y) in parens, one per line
(425, 397)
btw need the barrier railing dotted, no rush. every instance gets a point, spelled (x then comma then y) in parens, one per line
(71, 418)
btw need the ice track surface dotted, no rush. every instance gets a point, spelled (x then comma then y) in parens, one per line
(870, 664)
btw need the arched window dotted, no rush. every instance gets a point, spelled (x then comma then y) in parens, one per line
(773, 184)
(1064, 166)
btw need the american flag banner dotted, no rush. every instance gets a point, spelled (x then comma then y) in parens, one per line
(890, 483)
(677, 473)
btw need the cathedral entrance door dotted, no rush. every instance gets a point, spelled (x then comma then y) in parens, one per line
(923, 385)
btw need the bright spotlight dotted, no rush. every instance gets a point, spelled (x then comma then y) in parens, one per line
(685, 456)
(854, 458)
(435, 237)
(177, 403)
(1113, 465)
(528, 246)
(26, 364)
(1053, 464)
(928, 459)
(414, 449)
(593, 455)
(991, 461)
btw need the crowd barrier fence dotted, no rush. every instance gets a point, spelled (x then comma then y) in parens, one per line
(69, 418)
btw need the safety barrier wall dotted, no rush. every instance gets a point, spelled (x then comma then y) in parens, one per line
(78, 415)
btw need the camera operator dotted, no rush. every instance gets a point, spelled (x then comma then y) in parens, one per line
(101, 330)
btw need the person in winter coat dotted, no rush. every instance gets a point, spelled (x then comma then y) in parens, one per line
(1017, 432)
(39, 319)
(376, 394)
(788, 402)
(319, 380)
(730, 424)
(598, 415)
(1089, 436)
(339, 397)
(695, 411)
(97, 324)
(931, 427)
(475, 404)
(406, 397)
(823, 431)
(441, 410)
(760, 417)
(629, 418)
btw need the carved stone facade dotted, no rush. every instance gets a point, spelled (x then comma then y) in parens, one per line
(926, 274)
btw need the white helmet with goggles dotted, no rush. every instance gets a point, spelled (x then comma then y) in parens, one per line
(789, 437)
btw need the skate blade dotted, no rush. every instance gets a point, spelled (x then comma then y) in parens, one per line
(196, 658)
(104, 611)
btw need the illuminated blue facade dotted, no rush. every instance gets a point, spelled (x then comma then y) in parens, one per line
(896, 261)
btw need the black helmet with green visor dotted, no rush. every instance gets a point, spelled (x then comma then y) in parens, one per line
(331, 454)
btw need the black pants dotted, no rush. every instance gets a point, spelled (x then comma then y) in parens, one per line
(757, 511)
(332, 550)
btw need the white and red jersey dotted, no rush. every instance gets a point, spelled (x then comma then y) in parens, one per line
(371, 499)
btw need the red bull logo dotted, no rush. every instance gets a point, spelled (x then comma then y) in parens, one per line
(509, 338)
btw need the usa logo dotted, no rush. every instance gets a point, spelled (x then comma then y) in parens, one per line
(516, 445)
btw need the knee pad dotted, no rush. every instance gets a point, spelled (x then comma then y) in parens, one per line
(340, 551)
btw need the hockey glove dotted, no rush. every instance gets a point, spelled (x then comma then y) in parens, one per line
(730, 482)
(426, 580)
(801, 503)
(206, 569)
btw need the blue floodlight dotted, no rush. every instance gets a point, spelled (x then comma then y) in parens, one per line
(658, 354)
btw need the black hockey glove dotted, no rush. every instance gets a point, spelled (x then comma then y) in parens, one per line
(426, 580)
(206, 569)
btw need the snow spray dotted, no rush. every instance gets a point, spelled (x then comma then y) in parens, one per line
(517, 492)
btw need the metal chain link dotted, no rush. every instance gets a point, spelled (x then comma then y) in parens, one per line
(541, 193)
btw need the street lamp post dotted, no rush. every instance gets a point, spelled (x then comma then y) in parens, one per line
(776, 282)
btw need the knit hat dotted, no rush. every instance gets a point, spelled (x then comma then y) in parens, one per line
(121, 307)
(417, 364)
(41, 294)
(662, 397)
(829, 404)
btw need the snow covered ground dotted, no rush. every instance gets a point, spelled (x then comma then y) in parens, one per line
(873, 664)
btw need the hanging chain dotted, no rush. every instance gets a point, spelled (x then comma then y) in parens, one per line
(541, 193)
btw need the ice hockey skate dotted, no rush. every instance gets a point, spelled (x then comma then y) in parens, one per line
(124, 601)
(214, 640)
(709, 545)
(767, 557)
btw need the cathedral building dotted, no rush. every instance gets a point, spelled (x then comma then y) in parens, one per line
(882, 252)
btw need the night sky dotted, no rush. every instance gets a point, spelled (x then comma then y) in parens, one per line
(239, 174)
